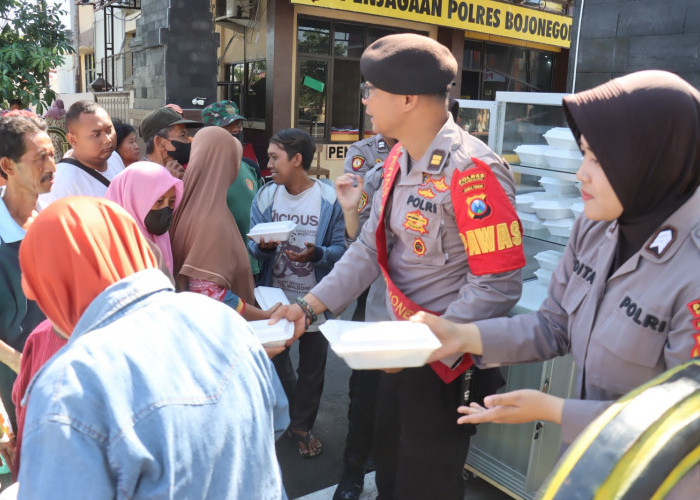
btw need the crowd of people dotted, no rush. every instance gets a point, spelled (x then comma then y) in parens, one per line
(128, 368)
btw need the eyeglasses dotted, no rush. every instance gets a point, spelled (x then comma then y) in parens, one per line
(365, 88)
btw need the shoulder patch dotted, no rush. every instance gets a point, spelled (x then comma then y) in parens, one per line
(249, 183)
(662, 241)
(487, 222)
(357, 162)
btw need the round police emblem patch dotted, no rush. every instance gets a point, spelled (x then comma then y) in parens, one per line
(478, 207)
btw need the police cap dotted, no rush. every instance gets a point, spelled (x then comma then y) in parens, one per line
(409, 64)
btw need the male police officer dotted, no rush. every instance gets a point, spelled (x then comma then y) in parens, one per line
(444, 234)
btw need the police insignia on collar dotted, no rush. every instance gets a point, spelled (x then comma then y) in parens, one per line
(381, 146)
(663, 239)
(357, 162)
(437, 160)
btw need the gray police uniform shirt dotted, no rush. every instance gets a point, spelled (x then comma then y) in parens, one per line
(623, 330)
(373, 152)
(363, 156)
(435, 275)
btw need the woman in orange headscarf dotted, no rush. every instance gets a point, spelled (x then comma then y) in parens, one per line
(94, 255)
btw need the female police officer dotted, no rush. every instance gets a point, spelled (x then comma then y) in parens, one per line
(625, 298)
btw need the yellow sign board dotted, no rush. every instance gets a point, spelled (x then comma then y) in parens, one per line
(485, 16)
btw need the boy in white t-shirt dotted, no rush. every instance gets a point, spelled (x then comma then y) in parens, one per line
(296, 265)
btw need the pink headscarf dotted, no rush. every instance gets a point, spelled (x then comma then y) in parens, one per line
(136, 189)
(56, 110)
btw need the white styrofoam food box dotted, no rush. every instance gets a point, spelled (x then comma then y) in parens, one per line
(556, 186)
(523, 202)
(554, 209)
(530, 222)
(268, 296)
(561, 138)
(273, 335)
(385, 344)
(532, 155)
(272, 231)
(563, 159)
(548, 259)
(577, 208)
(561, 227)
(544, 276)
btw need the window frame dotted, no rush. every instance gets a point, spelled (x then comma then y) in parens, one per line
(330, 57)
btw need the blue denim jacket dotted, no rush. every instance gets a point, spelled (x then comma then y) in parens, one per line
(156, 395)
(330, 238)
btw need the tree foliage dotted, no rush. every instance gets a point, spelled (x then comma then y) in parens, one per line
(32, 41)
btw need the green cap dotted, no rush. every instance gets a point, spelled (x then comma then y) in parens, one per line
(221, 113)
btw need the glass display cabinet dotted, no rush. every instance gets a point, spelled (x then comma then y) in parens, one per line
(479, 119)
(530, 132)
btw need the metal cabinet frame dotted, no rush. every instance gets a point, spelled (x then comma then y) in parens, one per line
(518, 458)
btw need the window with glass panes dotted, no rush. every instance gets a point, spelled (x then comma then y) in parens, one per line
(489, 67)
(328, 64)
(245, 84)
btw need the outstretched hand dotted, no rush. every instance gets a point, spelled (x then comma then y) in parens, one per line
(517, 407)
(305, 255)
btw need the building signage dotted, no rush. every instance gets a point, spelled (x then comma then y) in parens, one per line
(485, 16)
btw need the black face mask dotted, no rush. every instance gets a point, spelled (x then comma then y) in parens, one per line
(181, 153)
(158, 221)
(239, 136)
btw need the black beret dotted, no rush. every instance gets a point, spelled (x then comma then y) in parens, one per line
(409, 64)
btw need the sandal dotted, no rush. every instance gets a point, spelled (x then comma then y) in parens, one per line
(306, 440)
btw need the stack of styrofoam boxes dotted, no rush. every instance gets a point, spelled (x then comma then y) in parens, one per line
(547, 214)
(563, 153)
(548, 261)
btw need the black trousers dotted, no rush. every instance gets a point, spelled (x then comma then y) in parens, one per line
(364, 385)
(304, 388)
(419, 448)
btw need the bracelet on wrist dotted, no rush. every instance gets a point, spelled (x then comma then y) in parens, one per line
(308, 311)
